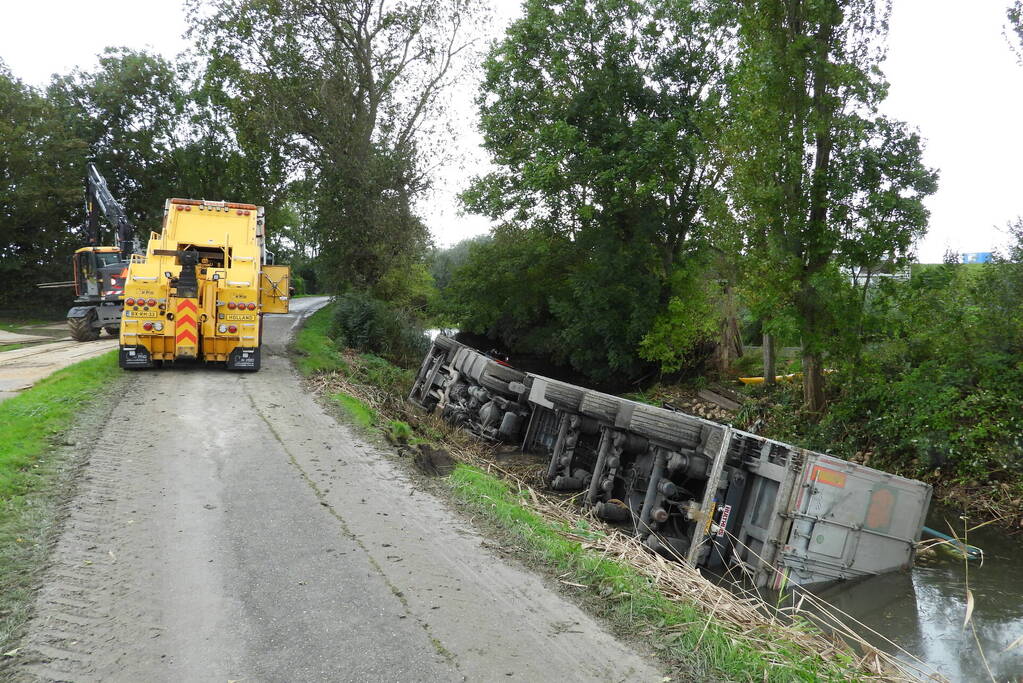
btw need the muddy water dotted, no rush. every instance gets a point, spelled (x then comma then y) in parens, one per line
(922, 610)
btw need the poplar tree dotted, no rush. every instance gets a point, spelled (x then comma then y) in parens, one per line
(819, 179)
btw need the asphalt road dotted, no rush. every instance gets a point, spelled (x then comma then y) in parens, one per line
(227, 529)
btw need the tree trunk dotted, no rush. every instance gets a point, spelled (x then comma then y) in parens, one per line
(730, 342)
(813, 382)
(769, 359)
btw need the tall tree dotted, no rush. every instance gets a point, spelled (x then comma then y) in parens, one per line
(350, 86)
(602, 118)
(130, 111)
(819, 179)
(156, 132)
(41, 173)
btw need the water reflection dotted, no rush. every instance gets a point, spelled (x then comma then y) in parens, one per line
(922, 610)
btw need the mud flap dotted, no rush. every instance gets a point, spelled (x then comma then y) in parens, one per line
(134, 358)
(242, 358)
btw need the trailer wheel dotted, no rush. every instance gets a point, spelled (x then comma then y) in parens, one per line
(446, 343)
(665, 426)
(82, 329)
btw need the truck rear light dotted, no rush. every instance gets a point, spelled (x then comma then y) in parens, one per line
(232, 329)
(232, 305)
(251, 306)
(151, 302)
(129, 301)
(222, 329)
(147, 326)
(158, 326)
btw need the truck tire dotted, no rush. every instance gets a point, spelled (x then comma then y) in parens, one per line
(600, 406)
(82, 329)
(113, 331)
(446, 343)
(563, 395)
(675, 429)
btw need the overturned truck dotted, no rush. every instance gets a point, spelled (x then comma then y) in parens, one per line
(691, 489)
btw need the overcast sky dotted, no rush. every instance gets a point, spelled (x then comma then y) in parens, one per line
(951, 70)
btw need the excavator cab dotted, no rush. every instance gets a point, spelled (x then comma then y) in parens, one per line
(99, 272)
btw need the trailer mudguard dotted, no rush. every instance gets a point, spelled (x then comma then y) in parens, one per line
(134, 357)
(243, 358)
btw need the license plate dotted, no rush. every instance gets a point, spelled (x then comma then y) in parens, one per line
(142, 314)
(239, 317)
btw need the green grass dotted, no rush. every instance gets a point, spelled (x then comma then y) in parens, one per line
(33, 424)
(11, 347)
(317, 352)
(700, 648)
(400, 432)
(361, 414)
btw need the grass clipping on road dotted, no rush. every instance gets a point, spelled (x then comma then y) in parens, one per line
(31, 461)
(700, 629)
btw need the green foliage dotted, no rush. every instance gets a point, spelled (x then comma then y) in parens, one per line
(41, 172)
(347, 89)
(368, 324)
(381, 373)
(605, 154)
(818, 179)
(1015, 16)
(399, 432)
(33, 418)
(408, 288)
(690, 321)
(444, 262)
(937, 385)
(502, 289)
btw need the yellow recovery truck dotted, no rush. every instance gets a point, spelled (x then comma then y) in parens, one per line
(201, 289)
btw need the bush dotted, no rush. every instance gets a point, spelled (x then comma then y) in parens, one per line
(367, 324)
(936, 386)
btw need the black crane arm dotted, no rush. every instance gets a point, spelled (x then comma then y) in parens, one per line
(98, 198)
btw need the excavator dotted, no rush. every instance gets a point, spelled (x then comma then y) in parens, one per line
(99, 271)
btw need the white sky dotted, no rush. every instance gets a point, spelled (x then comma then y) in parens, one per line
(951, 70)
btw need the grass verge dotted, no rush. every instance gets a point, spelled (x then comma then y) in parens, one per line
(315, 349)
(362, 414)
(11, 347)
(34, 425)
(687, 637)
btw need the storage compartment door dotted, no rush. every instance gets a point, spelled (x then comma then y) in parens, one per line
(274, 289)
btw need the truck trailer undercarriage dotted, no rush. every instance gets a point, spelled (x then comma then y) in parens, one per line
(691, 489)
